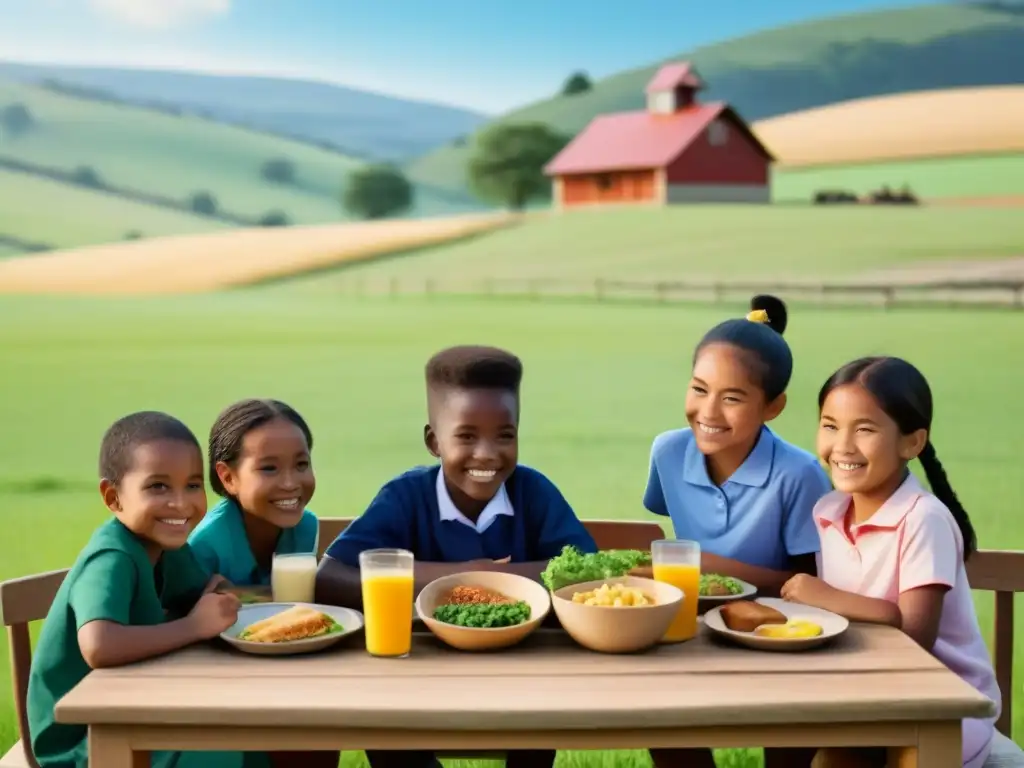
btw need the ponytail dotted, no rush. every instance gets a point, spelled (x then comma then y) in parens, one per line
(944, 492)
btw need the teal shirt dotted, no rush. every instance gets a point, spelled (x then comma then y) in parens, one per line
(221, 545)
(112, 580)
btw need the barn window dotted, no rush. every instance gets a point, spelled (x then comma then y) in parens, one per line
(604, 181)
(718, 133)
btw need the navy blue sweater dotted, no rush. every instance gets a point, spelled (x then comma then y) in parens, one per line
(405, 515)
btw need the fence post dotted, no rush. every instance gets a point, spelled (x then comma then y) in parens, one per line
(393, 286)
(716, 293)
(1018, 298)
(888, 297)
(599, 289)
(428, 287)
(533, 289)
(660, 289)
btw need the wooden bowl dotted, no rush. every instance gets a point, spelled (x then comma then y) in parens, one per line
(618, 630)
(475, 638)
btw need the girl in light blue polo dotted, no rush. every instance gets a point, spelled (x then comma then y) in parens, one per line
(260, 465)
(730, 483)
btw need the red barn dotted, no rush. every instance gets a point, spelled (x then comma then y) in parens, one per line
(675, 151)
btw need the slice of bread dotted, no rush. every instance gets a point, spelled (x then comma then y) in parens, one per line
(746, 615)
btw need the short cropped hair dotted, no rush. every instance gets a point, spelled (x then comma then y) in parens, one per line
(129, 432)
(474, 367)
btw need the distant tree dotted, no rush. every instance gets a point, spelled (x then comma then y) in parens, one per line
(377, 191)
(578, 82)
(459, 141)
(86, 176)
(15, 119)
(278, 170)
(133, 234)
(508, 164)
(274, 219)
(203, 203)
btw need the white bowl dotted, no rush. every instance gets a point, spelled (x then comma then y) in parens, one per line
(832, 626)
(480, 638)
(350, 620)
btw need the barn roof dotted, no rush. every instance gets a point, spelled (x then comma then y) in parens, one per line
(671, 76)
(629, 140)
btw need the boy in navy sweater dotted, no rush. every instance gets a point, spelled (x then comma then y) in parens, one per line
(477, 510)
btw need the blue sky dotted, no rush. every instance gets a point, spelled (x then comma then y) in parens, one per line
(489, 55)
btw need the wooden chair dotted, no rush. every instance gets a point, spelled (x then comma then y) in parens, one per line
(1003, 574)
(23, 601)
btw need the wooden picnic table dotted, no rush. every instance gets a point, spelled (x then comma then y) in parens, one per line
(873, 687)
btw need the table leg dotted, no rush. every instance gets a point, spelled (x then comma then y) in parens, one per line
(939, 745)
(110, 747)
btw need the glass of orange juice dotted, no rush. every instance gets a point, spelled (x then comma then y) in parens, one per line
(387, 579)
(677, 562)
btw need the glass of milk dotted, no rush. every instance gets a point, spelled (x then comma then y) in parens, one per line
(293, 578)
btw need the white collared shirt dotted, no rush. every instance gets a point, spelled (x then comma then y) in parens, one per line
(499, 505)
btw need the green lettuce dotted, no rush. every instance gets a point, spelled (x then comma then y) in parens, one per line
(573, 567)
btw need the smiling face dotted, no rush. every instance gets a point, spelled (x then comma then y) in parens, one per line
(273, 476)
(725, 405)
(162, 497)
(475, 433)
(861, 444)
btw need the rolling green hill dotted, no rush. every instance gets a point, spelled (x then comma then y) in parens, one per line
(801, 66)
(64, 216)
(175, 157)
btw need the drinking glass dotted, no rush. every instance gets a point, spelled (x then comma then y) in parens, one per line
(293, 578)
(677, 562)
(387, 579)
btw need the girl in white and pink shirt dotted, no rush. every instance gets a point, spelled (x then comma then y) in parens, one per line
(891, 551)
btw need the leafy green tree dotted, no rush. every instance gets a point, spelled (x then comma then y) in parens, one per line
(508, 165)
(274, 218)
(578, 82)
(377, 191)
(278, 170)
(15, 119)
(203, 203)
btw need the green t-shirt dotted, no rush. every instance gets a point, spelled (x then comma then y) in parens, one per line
(112, 580)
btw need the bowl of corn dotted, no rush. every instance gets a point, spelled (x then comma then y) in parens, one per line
(617, 615)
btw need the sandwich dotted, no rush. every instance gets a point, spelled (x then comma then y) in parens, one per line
(297, 623)
(746, 615)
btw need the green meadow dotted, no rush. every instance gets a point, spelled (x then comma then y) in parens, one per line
(931, 178)
(601, 381)
(710, 242)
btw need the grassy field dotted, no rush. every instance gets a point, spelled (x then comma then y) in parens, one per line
(178, 156)
(967, 176)
(791, 68)
(708, 242)
(41, 210)
(601, 382)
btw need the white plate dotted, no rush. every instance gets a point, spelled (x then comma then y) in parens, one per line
(832, 626)
(350, 620)
(749, 590)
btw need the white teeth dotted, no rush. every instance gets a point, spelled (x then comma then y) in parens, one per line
(484, 474)
(170, 521)
(848, 467)
(287, 503)
(710, 430)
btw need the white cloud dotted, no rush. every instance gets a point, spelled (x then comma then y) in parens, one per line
(160, 13)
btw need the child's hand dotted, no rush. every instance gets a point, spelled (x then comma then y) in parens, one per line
(213, 614)
(806, 589)
(216, 582)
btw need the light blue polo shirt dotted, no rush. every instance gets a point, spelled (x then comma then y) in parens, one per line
(760, 516)
(221, 545)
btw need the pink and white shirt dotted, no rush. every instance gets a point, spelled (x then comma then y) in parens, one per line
(912, 541)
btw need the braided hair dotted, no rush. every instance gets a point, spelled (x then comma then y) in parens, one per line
(903, 393)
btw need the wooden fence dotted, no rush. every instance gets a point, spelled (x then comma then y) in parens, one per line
(990, 293)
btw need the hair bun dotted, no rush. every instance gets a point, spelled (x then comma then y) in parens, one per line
(770, 310)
